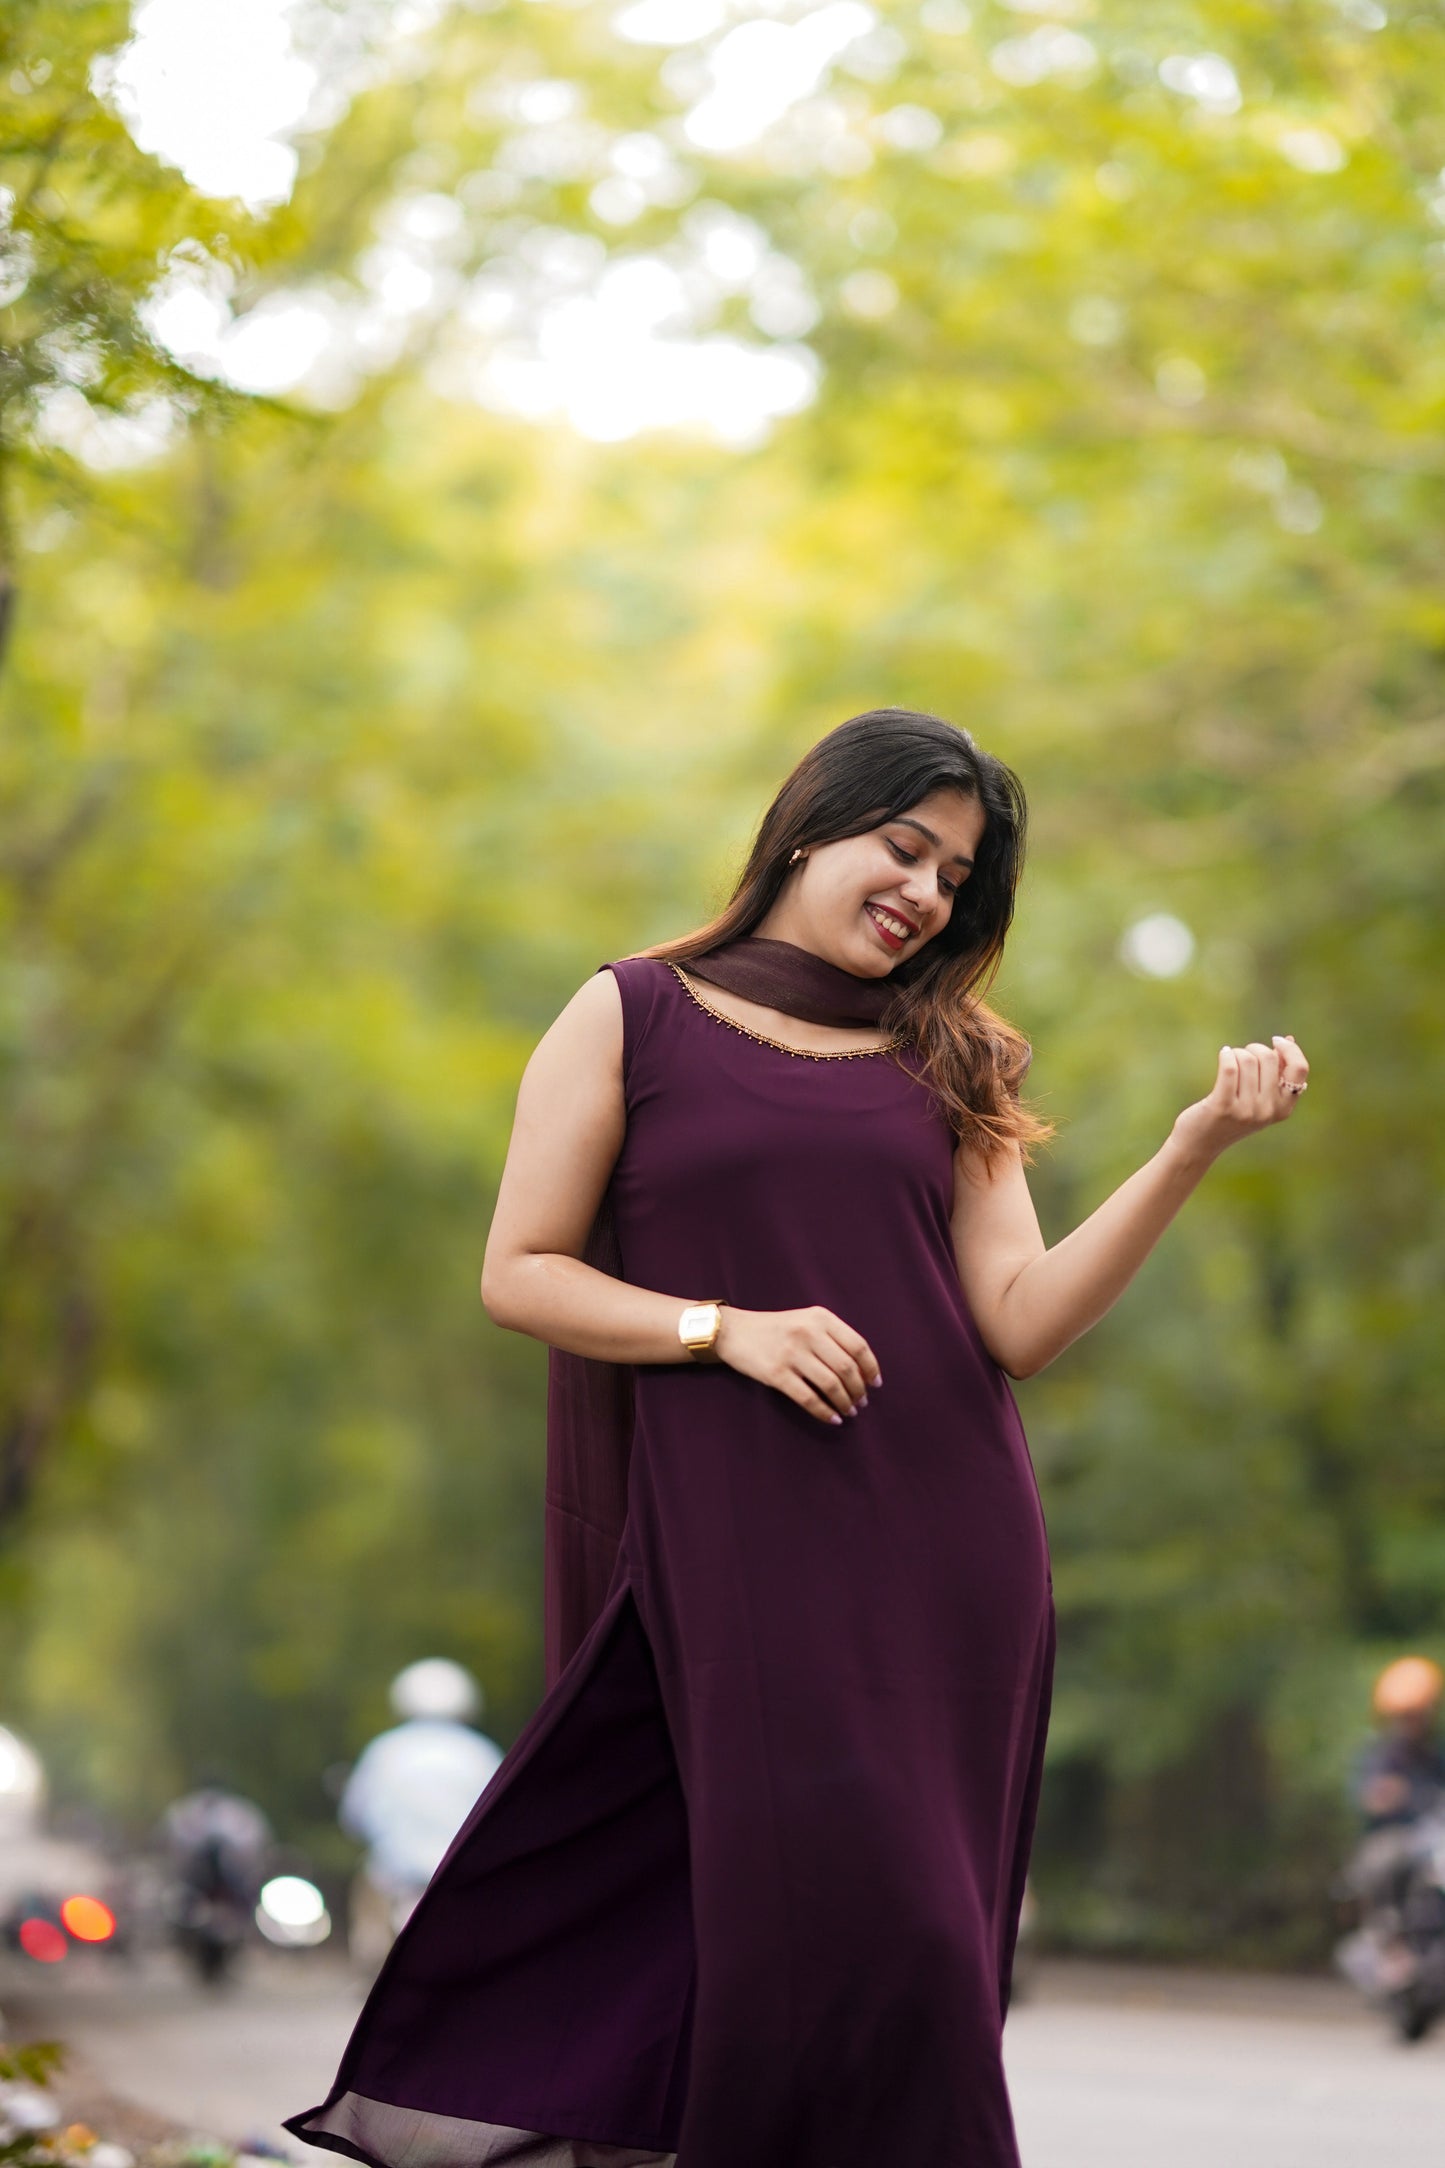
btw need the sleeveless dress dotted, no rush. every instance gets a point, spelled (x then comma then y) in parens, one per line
(745, 1892)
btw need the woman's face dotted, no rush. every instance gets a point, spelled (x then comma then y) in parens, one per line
(874, 900)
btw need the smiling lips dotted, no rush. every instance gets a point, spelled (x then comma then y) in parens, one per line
(894, 930)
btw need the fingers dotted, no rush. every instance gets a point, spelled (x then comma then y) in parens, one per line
(854, 1346)
(811, 1402)
(865, 1358)
(827, 1384)
(1240, 1071)
(837, 1377)
(1260, 1083)
(1295, 1074)
(834, 1366)
(838, 1359)
(810, 1356)
(1263, 1065)
(1226, 1082)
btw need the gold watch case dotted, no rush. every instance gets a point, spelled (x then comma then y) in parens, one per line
(698, 1328)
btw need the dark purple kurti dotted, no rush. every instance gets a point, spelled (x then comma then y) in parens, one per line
(745, 1891)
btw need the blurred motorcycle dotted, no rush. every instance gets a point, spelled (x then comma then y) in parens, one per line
(216, 1845)
(1396, 1953)
(1395, 1883)
(224, 1887)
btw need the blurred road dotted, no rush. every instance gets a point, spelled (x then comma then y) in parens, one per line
(230, 2062)
(1110, 2066)
(1125, 2067)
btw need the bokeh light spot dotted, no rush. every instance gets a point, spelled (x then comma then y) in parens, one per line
(1158, 946)
(42, 1940)
(88, 1919)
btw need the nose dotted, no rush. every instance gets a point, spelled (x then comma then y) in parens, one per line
(919, 889)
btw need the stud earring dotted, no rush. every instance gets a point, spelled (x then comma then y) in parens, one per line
(798, 853)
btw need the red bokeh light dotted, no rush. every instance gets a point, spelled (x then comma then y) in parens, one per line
(88, 1919)
(42, 1940)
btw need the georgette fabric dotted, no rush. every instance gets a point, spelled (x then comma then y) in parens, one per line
(745, 1892)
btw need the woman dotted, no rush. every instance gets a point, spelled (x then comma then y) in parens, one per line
(745, 1892)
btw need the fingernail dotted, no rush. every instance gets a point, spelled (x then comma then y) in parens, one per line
(879, 1379)
(862, 1403)
(852, 1411)
(835, 1419)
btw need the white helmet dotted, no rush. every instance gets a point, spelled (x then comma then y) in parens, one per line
(436, 1688)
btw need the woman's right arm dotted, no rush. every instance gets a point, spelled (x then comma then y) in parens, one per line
(566, 1137)
(569, 1127)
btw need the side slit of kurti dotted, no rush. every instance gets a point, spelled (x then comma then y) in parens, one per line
(580, 1843)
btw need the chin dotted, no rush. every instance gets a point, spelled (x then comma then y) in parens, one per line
(866, 960)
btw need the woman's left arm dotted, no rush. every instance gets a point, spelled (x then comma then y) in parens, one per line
(1029, 1302)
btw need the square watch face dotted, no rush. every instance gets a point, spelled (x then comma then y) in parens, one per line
(696, 1324)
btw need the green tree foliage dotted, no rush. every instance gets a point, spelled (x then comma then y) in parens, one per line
(85, 221)
(342, 740)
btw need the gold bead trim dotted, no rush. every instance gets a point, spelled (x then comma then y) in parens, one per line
(800, 1053)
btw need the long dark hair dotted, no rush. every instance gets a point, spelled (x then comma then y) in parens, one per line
(868, 771)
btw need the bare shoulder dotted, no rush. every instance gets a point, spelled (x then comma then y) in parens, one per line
(1003, 1172)
(589, 1029)
(596, 1006)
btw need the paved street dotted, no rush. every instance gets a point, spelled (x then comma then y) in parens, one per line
(231, 2062)
(1123, 2068)
(1111, 2067)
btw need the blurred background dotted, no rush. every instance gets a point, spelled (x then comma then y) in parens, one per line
(455, 457)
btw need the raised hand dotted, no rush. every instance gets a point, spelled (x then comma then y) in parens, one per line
(1254, 1087)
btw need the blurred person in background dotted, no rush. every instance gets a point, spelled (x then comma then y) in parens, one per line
(1396, 1953)
(1400, 1774)
(217, 1846)
(216, 1835)
(747, 1889)
(408, 1795)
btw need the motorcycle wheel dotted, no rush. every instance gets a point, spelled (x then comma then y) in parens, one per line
(1412, 2016)
(213, 1961)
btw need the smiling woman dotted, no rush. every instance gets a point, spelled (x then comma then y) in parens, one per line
(746, 1891)
(894, 849)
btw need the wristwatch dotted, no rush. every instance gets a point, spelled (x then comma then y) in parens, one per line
(698, 1328)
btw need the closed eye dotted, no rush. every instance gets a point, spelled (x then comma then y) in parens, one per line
(907, 858)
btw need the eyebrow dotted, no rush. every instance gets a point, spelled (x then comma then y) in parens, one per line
(903, 821)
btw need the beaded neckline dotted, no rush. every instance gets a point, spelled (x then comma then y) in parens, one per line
(799, 1053)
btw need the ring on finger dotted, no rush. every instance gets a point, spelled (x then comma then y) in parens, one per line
(1294, 1087)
